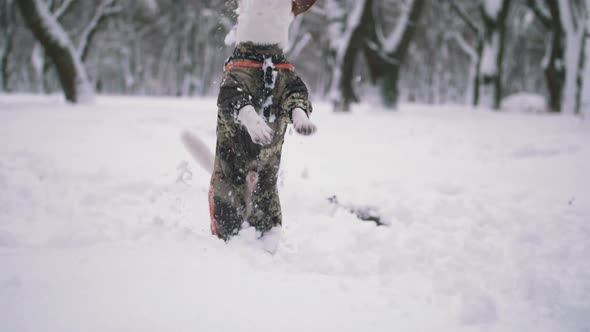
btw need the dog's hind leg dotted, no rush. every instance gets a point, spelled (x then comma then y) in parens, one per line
(251, 182)
(228, 209)
(266, 205)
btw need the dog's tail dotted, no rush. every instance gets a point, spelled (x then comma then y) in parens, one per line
(199, 150)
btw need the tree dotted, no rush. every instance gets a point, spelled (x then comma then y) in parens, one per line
(547, 12)
(338, 47)
(573, 14)
(7, 27)
(38, 57)
(105, 9)
(59, 48)
(494, 14)
(474, 53)
(386, 53)
(586, 76)
(355, 29)
(346, 39)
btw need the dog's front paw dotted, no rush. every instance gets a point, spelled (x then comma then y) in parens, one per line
(302, 124)
(306, 129)
(259, 131)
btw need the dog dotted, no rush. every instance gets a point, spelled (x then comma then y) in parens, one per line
(260, 95)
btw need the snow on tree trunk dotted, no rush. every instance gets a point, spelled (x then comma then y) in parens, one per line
(585, 107)
(575, 28)
(554, 58)
(474, 53)
(345, 41)
(586, 84)
(7, 42)
(386, 60)
(494, 13)
(474, 66)
(102, 12)
(38, 64)
(59, 48)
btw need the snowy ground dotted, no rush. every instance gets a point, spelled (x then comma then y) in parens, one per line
(104, 223)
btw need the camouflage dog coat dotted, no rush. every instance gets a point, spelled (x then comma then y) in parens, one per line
(261, 77)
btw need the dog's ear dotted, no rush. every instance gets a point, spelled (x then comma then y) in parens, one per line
(301, 6)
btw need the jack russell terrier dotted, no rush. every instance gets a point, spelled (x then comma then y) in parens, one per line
(260, 95)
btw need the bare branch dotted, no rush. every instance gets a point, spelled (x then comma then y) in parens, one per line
(463, 44)
(384, 56)
(318, 10)
(300, 45)
(540, 12)
(61, 10)
(392, 42)
(465, 17)
(105, 9)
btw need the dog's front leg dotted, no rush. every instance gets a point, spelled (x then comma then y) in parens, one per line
(259, 131)
(301, 122)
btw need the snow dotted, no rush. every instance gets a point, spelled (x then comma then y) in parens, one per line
(151, 5)
(586, 76)
(489, 58)
(525, 102)
(104, 222)
(493, 7)
(392, 42)
(38, 59)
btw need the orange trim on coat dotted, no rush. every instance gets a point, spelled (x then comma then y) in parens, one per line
(255, 64)
(212, 210)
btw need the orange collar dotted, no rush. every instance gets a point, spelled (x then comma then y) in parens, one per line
(255, 64)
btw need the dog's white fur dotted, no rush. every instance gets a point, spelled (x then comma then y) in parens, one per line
(264, 21)
(259, 131)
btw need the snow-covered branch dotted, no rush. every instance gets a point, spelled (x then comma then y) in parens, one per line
(7, 43)
(464, 45)
(464, 17)
(105, 9)
(58, 47)
(384, 56)
(297, 47)
(567, 15)
(63, 8)
(392, 42)
(541, 12)
(573, 20)
(318, 10)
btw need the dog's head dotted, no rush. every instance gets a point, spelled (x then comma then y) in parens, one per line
(301, 6)
(266, 21)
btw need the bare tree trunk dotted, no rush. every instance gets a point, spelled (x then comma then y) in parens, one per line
(554, 73)
(104, 10)
(573, 20)
(7, 25)
(475, 54)
(345, 43)
(586, 84)
(59, 48)
(387, 54)
(494, 15)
